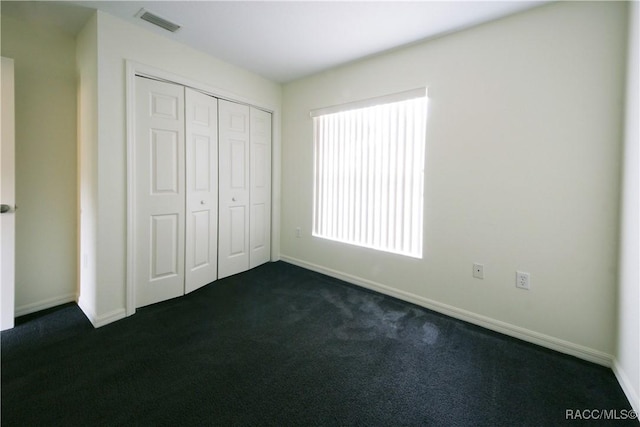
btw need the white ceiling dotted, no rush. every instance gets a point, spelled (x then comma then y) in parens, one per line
(285, 40)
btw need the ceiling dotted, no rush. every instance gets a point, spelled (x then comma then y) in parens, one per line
(284, 40)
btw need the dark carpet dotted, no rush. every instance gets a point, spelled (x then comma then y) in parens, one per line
(280, 345)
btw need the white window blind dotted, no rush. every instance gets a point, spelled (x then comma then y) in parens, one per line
(369, 168)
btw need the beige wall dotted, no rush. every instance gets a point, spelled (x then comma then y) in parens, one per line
(104, 292)
(627, 367)
(46, 221)
(522, 173)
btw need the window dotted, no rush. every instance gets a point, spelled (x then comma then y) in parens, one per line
(369, 168)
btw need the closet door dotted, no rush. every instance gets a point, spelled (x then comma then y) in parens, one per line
(260, 192)
(201, 250)
(159, 233)
(7, 194)
(233, 241)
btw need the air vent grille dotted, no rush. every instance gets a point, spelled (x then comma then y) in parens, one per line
(156, 20)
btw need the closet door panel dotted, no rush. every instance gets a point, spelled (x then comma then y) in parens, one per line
(159, 191)
(260, 189)
(201, 257)
(234, 188)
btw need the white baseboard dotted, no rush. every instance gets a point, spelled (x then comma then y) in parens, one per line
(44, 304)
(110, 317)
(86, 309)
(98, 321)
(543, 340)
(627, 386)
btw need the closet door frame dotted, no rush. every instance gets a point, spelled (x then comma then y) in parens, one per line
(133, 69)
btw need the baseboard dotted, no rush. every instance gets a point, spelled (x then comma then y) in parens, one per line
(543, 340)
(110, 317)
(105, 319)
(44, 304)
(627, 386)
(86, 309)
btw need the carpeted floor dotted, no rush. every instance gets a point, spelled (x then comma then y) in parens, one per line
(280, 345)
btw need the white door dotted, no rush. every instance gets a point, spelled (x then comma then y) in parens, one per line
(159, 231)
(260, 192)
(201, 250)
(7, 197)
(233, 230)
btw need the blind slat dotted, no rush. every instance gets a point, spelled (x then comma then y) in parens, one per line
(369, 176)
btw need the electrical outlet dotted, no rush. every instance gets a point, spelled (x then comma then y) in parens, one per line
(298, 232)
(523, 280)
(478, 271)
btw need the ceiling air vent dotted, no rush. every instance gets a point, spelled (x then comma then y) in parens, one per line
(156, 20)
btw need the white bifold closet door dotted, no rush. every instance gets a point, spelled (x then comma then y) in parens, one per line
(175, 190)
(201, 250)
(245, 188)
(260, 194)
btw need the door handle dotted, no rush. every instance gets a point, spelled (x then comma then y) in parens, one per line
(233, 199)
(7, 208)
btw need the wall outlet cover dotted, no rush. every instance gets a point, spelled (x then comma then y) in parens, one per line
(478, 271)
(523, 280)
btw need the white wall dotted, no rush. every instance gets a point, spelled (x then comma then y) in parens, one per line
(46, 220)
(522, 173)
(87, 69)
(627, 367)
(118, 41)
